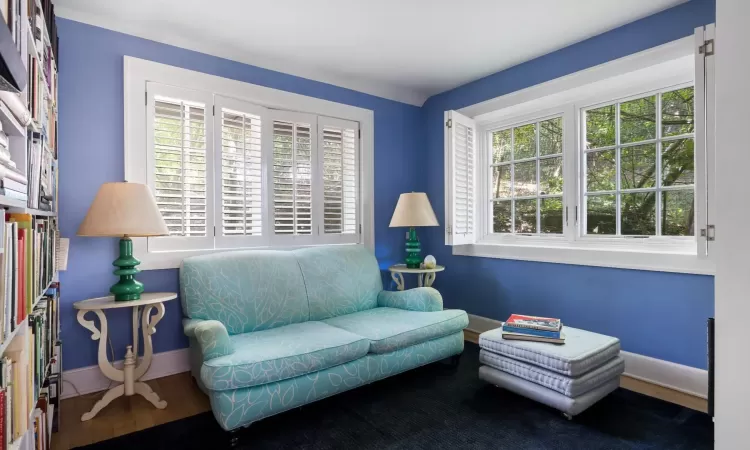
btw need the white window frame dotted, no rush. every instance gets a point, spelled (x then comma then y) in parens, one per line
(138, 72)
(672, 64)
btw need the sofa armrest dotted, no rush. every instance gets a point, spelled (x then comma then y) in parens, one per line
(417, 299)
(211, 335)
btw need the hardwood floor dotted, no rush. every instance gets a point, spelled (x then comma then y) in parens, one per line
(129, 414)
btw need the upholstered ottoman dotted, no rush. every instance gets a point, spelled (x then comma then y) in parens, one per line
(569, 377)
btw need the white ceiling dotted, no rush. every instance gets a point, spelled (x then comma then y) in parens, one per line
(405, 50)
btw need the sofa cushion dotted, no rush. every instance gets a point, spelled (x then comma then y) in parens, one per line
(390, 329)
(340, 279)
(246, 291)
(277, 354)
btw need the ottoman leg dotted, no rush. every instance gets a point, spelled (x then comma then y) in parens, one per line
(454, 361)
(567, 416)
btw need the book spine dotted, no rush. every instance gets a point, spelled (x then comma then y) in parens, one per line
(532, 332)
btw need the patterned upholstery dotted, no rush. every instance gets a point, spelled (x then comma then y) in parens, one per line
(339, 279)
(290, 351)
(241, 407)
(246, 291)
(272, 330)
(390, 329)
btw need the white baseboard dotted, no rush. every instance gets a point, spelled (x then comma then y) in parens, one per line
(90, 379)
(689, 380)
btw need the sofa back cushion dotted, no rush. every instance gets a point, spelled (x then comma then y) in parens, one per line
(340, 279)
(246, 290)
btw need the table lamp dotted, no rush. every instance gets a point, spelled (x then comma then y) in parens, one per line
(413, 210)
(124, 210)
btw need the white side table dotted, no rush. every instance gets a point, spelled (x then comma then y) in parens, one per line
(425, 276)
(130, 374)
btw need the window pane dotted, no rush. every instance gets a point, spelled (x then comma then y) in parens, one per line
(501, 181)
(524, 141)
(638, 167)
(525, 179)
(501, 146)
(677, 112)
(638, 213)
(550, 137)
(550, 176)
(526, 216)
(677, 162)
(600, 127)
(638, 120)
(601, 172)
(677, 213)
(501, 217)
(551, 215)
(601, 214)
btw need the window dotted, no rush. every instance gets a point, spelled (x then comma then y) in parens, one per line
(610, 166)
(527, 178)
(282, 170)
(639, 170)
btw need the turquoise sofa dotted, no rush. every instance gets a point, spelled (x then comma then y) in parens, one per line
(274, 330)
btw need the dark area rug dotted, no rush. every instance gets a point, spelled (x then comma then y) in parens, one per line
(435, 407)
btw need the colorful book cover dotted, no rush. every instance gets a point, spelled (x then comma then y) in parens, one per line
(534, 322)
(532, 332)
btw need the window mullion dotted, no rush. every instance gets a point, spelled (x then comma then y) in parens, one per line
(618, 168)
(538, 182)
(657, 174)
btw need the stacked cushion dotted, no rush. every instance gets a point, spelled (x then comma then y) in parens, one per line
(570, 377)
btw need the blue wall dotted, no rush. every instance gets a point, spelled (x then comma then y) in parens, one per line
(91, 153)
(661, 315)
(656, 314)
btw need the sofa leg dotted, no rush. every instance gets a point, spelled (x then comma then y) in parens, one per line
(234, 437)
(453, 361)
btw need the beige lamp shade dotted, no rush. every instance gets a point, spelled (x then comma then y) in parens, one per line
(413, 210)
(123, 209)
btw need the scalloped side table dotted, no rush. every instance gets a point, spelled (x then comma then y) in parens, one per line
(425, 277)
(131, 373)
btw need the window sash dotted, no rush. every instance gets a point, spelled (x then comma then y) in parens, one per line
(242, 240)
(154, 91)
(657, 189)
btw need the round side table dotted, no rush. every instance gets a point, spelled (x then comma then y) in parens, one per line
(425, 277)
(131, 373)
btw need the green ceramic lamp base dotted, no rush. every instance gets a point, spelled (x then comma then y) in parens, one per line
(413, 250)
(128, 288)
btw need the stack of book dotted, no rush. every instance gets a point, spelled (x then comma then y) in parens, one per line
(12, 182)
(27, 266)
(25, 391)
(533, 328)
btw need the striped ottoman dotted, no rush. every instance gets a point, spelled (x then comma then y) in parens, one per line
(569, 377)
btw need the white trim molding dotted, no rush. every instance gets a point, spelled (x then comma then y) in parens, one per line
(138, 73)
(686, 379)
(86, 380)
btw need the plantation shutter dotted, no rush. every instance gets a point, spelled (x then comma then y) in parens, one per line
(294, 160)
(705, 138)
(339, 168)
(179, 173)
(241, 137)
(460, 174)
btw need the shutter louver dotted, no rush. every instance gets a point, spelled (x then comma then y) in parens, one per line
(339, 180)
(180, 165)
(460, 170)
(292, 172)
(241, 174)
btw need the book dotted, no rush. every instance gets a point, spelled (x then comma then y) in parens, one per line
(13, 185)
(10, 193)
(526, 337)
(532, 332)
(534, 322)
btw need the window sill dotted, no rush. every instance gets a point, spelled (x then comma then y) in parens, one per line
(637, 259)
(173, 259)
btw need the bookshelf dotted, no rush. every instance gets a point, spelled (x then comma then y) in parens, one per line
(30, 350)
